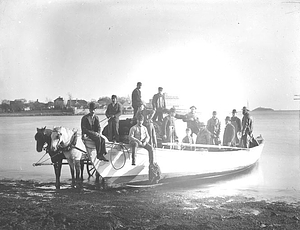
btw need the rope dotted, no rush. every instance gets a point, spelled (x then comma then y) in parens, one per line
(40, 163)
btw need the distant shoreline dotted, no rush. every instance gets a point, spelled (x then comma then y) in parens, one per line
(60, 113)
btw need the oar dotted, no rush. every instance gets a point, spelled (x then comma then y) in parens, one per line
(204, 146)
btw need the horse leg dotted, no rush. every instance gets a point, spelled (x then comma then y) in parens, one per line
(72, 166)
(77, 169)
(57, 169)
(81, 169)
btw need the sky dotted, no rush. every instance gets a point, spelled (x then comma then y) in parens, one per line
(217, 55)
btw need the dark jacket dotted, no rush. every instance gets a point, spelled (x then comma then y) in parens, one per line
(158, 101)
(115, 110)
(229, 135)
(247, 125)
(88, 128)
(136, 98)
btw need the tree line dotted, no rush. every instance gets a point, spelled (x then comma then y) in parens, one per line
(20, 105)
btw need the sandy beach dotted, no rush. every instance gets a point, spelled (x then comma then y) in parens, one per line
(32, 205)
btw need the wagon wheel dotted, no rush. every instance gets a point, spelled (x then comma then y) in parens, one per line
(90, 168)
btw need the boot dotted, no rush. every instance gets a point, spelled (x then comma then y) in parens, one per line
(101, 157)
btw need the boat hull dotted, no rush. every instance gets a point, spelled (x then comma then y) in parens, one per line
(173, 163)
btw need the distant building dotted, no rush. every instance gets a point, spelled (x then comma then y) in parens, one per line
(78, 104)
(59, 103)
(172, 101)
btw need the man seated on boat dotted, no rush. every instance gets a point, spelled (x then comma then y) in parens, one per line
(148, 123)
(168, 127)
(139, 137)
(191, 119)
(229, 133)
(204, 136)
(188, 140)
(113, 112)
(90, 127)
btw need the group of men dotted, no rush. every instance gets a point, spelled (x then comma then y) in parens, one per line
(142, 134)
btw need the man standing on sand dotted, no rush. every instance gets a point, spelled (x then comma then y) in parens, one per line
(229, 133)
(113, 112)
(236, 122)
(159, 105)
(90, 127)
(136, 98)
(247, 128)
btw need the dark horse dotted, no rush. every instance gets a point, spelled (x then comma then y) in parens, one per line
(42, 137)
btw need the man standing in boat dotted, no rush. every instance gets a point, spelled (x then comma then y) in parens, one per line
(159, 105)
(139, 137)
(247, 128)
(214, 127)
(204, 136)
(236, 122)
(192, 120)
(113, 112)
(229, 133)
(168, 127)
(136, 98)
(90, 127)
(148, 123)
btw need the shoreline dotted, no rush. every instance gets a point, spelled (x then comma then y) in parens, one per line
(32, 114)
(33, 205)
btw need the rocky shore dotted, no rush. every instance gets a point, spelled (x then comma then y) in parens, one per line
(32, 205)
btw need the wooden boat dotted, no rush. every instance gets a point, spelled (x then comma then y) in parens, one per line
(174, 161)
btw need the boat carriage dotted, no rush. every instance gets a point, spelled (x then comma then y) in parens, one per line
(176, 160)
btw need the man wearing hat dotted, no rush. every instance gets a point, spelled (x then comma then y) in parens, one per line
(229, 132)
(90, 127)
(136, 98)
(159, 105)
(247, 128)
(191, 119)
(214, 127)
(236, 122)
(203, 136)
(169, 128)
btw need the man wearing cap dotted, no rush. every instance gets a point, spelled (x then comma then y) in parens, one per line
(247, 128)
(136, 98)
(139, 137)
(168, 127)
(236, 122)
(159, 105)
(214, 127)
(229, 133)
(113, 112)
(90, 127)
(191, 119)
(203, 136)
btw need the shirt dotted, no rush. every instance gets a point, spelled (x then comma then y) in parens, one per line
(139, 133)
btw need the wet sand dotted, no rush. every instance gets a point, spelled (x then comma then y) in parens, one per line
(32, 205)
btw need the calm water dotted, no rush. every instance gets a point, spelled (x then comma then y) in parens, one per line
(277, 175)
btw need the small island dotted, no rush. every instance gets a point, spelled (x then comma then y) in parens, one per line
(260, 109)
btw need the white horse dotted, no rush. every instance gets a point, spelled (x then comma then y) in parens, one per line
(70, 143)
